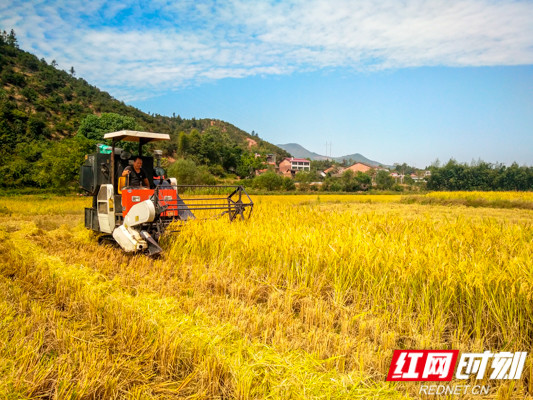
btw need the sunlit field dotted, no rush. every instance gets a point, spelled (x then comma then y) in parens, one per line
(307, 299)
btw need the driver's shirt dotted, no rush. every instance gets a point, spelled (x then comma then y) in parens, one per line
(135, 178)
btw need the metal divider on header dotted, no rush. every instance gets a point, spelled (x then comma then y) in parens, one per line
(199, 202)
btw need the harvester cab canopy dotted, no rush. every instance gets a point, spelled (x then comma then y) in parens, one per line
(133, 136)
(136, 136)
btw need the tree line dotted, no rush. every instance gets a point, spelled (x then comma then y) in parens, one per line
(481, 176)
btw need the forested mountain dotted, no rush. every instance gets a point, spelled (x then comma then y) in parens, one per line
(301, 152)
(42, 106)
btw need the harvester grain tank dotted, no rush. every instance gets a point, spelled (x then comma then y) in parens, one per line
(136, 217)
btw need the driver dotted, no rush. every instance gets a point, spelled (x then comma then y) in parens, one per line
(137, 176)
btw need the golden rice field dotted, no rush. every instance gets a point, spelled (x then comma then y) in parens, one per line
(306, 300)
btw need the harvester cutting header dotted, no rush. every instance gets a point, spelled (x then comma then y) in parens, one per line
(134, 201)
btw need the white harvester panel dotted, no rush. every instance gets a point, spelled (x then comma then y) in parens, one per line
(106, 208)
(140, 214)
(129, 239)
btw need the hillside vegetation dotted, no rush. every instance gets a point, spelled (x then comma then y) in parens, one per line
(42, 106)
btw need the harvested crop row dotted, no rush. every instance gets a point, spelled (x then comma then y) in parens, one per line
(171, 345)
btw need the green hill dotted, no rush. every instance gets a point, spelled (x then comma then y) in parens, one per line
(41, 106)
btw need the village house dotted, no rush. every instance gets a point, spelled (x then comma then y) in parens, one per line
(359, 167)
(331, 170)
(270, 161)
(422, 178)
(337, 170)
(417, 178)
(289, 166)
(397, 177)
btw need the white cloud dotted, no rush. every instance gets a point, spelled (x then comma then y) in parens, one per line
(140, 50)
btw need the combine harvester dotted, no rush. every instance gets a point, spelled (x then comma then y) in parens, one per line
(136, 217)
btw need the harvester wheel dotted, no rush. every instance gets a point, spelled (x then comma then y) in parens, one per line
(107, 239)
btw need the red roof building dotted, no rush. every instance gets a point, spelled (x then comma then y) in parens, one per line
(289, 166)
(359, 167)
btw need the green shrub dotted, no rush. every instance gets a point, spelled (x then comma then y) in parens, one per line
(269, 181)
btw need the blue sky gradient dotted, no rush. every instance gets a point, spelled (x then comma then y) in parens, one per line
(407, 81)
(413, 115)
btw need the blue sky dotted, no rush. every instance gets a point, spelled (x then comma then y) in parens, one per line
(408, 81)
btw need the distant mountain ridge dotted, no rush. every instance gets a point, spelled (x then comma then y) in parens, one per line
(301, 152)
